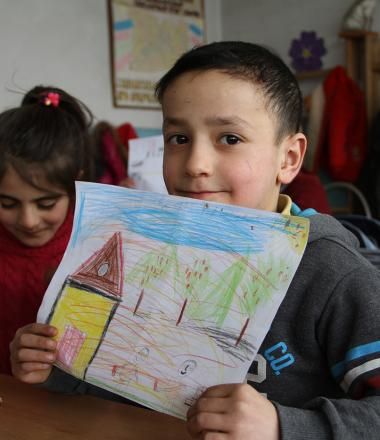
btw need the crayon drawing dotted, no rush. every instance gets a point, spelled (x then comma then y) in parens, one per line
(159, 297)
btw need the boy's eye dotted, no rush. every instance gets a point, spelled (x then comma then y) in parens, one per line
(230, 139)
(177, 139)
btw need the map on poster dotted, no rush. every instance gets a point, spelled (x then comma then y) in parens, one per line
(147, 37)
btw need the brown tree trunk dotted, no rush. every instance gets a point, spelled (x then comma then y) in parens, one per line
(182, 310)
(242, 332)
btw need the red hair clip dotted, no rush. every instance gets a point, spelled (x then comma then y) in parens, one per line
(51, 98)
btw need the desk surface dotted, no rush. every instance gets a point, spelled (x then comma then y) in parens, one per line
(29, 413)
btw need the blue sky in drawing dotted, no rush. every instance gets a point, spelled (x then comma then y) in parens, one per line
(175, 220)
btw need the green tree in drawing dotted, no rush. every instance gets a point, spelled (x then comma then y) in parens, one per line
(214, 300)
(258, 286)
(242, 283)
(191, 284)
(151, 267)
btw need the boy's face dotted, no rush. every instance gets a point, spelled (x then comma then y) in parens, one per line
(220, 142)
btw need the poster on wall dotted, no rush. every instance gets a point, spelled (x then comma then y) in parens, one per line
(147, 36)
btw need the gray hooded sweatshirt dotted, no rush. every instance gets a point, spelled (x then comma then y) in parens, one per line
(320, 361)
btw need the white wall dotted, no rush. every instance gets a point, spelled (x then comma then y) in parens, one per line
(275, 23)
(66, 43)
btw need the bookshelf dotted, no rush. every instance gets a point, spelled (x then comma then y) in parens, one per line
(363, 64)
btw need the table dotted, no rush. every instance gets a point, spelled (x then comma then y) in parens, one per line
(31, 413)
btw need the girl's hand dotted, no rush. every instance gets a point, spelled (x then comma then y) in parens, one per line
(33, 352)
(233, 412)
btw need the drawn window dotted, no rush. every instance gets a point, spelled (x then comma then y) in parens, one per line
(103, 269)
(70, 345)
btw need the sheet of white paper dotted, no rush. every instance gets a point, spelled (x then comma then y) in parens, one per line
(159, 297)
(145, 163)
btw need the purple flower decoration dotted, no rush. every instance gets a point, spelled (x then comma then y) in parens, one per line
(306, 52)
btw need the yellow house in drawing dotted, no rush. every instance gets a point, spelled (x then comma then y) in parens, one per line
(85, 306)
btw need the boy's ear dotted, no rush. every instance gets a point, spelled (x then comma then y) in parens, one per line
(293, 150)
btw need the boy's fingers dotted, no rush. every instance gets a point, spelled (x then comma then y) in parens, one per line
(36, 342)
(206, 421)
(209, 404)
(30, 367)
(37, 329)
(44, 330)
(41, 329)
(213, 400)
(34, 377)
(128, 182)
(29, 355)
(224, 390)
(209, 414)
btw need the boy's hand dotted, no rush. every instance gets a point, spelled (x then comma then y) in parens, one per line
(33, 351)
(128, 182)
(233, 411)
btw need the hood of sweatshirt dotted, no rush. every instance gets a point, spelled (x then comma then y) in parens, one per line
(327, 227)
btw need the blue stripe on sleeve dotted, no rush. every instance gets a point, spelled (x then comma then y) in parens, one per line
(355, 353)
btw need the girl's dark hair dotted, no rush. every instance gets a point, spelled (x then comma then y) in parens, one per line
(52, 137)
(249, 62)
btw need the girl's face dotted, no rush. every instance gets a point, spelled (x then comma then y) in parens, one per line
(31, 215)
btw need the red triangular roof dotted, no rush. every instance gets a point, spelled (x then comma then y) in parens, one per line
(104, 269)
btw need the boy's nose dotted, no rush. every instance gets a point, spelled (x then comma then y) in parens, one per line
(200, 160)
(28, 218)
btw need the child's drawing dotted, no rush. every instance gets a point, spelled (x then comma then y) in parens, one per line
(159, 297)
(145, 163)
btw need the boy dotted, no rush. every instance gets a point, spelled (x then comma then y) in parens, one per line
(231, 126)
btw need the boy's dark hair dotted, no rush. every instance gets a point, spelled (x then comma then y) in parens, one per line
(51, 138)
(250, 62)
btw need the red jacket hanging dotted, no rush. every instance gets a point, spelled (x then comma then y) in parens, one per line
(343, 135)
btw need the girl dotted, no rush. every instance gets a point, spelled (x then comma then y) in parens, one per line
(111, 154)
(44, 148)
